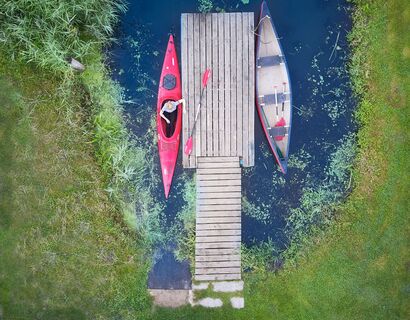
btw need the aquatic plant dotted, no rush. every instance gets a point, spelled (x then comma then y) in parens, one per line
(300, 160)
(49, 32)
(259, 212)
(319, 201)
(123, 157)
(261, 257)
(205, 6)
(184, 227)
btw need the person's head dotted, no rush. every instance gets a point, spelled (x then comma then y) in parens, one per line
(169, 105)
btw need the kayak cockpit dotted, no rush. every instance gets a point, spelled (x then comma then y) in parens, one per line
(168, 129)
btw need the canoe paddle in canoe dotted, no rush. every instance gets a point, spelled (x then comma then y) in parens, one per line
(188, 145)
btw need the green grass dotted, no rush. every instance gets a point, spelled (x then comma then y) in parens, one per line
(64, 252)
(122, 156)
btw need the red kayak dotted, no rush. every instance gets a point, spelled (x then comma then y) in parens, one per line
(168, 133)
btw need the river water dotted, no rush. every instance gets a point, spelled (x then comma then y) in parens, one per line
(313, 36)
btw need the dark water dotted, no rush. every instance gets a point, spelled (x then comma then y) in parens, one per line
(313, 36)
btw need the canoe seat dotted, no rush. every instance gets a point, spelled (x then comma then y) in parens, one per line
(278, 131)
(270, 99)
(269, 61)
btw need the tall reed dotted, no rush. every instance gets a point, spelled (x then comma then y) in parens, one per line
(49, 32)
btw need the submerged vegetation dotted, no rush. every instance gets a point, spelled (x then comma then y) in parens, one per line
(205, 6)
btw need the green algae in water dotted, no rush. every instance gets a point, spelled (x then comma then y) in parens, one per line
(259, 212)
(205, 6)
(299, 160)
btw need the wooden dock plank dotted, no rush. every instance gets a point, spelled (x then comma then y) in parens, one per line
(209, 99)
(219, 195)
(217, 264)
(226, 257)
(245, 87)
(218, 245)
(218, 239)
(251, 95)
(215, 84)
(218, 214)
(227, 85)
(203, 233)
(219, 183)
(205, 165)
(239, 84)
(217, 252)
(220, 277)
(197, 84)
(202, 68)
(233, 80)
(217, 159)
(184, 79)
(221, 85)
(217, 270)
(222, 207)
(209, 171)
(219, 201)
(191, 89)
(219, 189)
(233, 178)
(219, 226)
(226, 219)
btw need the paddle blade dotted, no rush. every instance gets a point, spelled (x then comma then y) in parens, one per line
(188, 146)
(205, 77)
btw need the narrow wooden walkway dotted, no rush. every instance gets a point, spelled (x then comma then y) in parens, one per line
(224, 43)
(218, 222)
(224, 136)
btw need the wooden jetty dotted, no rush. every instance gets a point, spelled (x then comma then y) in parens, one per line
(224, 137)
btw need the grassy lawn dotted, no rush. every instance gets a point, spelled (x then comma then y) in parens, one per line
(66, 254)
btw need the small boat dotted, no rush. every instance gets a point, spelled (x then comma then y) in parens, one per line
(169, 133)
(273, 90)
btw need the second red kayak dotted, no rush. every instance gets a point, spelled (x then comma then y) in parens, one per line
(169, 129)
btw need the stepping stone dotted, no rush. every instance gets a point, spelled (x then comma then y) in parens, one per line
(210, 303)
(228, 286)
(170, 298)
(200, 286)
(238, 302)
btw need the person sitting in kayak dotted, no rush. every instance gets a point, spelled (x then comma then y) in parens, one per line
(170, 106)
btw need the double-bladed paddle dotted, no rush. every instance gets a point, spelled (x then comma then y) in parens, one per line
(188, 145)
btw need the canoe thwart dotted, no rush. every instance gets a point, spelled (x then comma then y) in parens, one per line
(278, 131)
(270, 99)
(269, 61)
